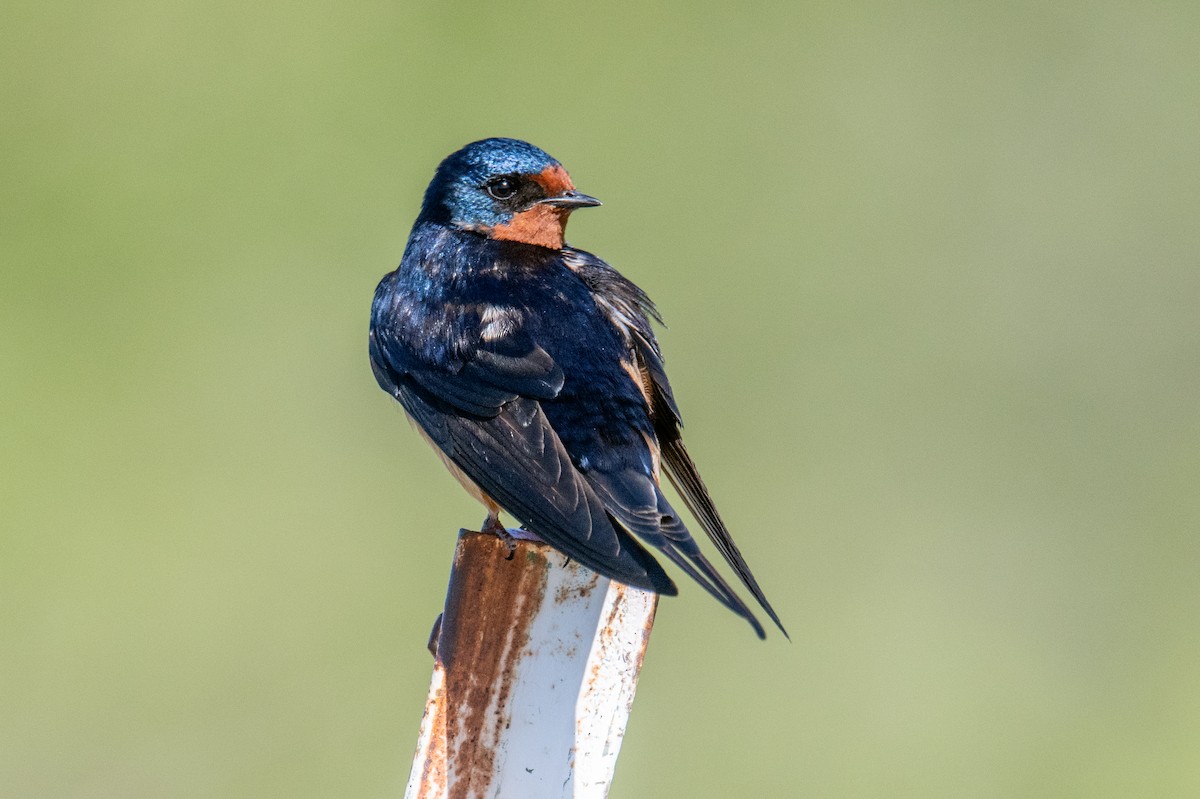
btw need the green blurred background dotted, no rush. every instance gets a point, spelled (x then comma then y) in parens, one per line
(932, 277)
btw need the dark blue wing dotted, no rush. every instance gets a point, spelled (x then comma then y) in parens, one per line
(485, 416)
(632, 494)
(684, 475)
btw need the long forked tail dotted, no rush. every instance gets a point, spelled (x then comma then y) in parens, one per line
(699, 569)
(684, 476)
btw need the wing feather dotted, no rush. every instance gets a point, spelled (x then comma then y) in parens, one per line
(477, 390)
(682, 472)
(502, 440)
(639, 505)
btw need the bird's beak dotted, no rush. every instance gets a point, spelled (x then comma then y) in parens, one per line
(571, 200)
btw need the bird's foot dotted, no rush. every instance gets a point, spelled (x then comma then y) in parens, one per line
(492, 525)
(509, 535)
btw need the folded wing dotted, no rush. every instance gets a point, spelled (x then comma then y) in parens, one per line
(682, 471)
(487, 419)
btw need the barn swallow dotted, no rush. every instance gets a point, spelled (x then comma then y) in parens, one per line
(532, 369)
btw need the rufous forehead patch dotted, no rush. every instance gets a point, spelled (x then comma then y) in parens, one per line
(555, 180)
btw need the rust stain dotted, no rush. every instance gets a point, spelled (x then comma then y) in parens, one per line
(646, 629)
(485, 630)
(483, 638)
(566, 593)
(433, 772)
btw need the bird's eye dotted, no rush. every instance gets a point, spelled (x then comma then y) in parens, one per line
(502, 188)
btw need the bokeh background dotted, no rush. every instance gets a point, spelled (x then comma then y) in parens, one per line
(931, 272)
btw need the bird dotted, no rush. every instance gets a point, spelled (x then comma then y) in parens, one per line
(532, 368)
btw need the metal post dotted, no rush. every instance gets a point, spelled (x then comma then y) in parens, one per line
(537, 660)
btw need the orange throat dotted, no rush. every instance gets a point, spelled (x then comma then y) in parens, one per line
(542, 225)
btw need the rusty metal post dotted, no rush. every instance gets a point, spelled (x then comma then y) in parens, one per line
(537, 660)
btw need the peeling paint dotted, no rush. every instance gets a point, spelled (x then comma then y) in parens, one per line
(531, 660)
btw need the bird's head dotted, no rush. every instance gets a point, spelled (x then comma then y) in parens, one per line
(505, 189)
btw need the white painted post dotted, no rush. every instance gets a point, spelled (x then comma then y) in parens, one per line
(537, 660)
